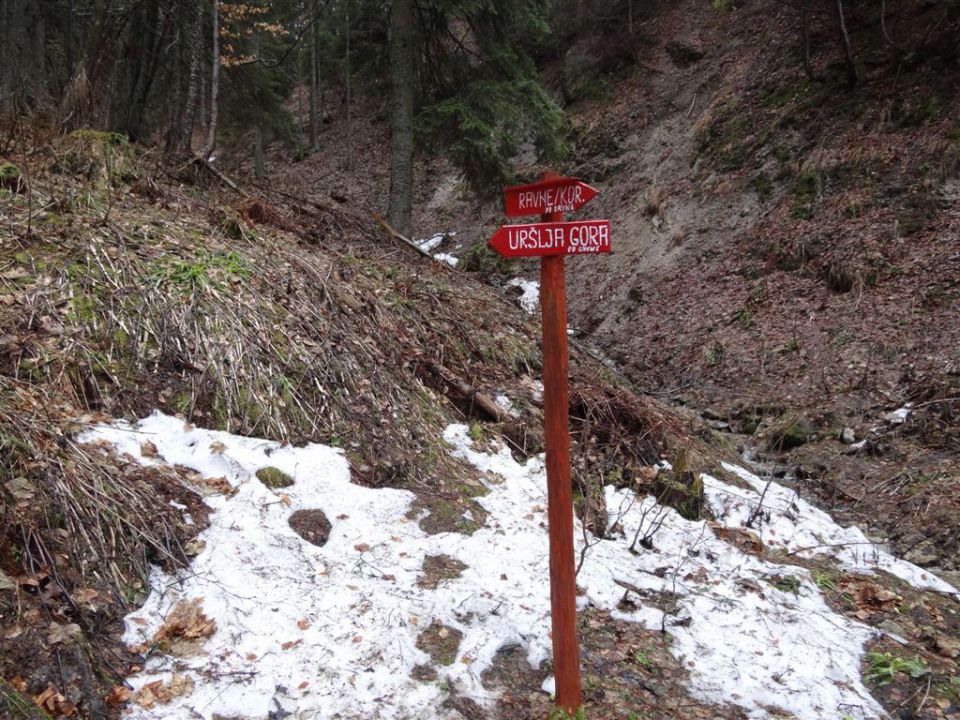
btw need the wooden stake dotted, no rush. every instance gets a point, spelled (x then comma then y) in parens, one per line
(563, 597)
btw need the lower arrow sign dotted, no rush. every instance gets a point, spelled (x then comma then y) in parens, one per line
(579, 237)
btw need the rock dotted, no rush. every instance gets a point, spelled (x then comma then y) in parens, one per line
(922, 556)
(791, 434)
(950, 576)
(749, 424)
(11, 178)
(274, 478)
(680, 487)
(889, 626)
(311, 525)
(812, 468)
(946, 646)
(848, 436)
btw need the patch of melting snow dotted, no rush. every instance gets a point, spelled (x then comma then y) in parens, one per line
(506, 404)
(794, 525)
(331, 631)
(431, 243)
(449, 259)
(428, 245)
(530, 299)
(900, 415)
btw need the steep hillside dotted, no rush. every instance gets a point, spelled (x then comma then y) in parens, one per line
(789, 249)
(128, 287)
(782, 294)
(786, 248)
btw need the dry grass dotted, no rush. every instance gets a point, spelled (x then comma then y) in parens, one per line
(77, 511)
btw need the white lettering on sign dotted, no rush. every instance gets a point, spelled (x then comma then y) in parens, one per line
(551, 199)
(573, 237)
(588, 238)
(535, 238)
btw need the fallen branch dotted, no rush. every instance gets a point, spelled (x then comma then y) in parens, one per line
(466, 390)
(391, 230)
(201, 162)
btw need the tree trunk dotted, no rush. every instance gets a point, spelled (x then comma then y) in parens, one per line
(845, 43)
(403, 72)
(71, 10)
(805, 38)
(23, 78)
(193, 84)
(214, 84)
(259, 165)
(314, 86)
(152, 34)
(6, 31)
(349, 89)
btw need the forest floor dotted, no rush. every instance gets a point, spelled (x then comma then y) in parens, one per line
(780, 295)
(126, 290)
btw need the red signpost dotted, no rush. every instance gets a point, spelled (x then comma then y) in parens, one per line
(553, 240)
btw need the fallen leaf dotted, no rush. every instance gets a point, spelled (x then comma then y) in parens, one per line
(303, 685)
(6, 582)
(118, 695)
(85, 595)
(216, 485)
(55, 704)
(874, 597)
(217, 447)
(194, 547)
(303, 624)
(63, 633)
(21, 489)
(361, 547)
(291, 644)
(148, 449)
(145, 698)
(186, 621)
(18, 684)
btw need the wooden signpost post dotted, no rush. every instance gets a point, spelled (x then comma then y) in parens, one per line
(552, 240)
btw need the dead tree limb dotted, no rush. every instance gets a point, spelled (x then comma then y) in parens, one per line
(466, 391)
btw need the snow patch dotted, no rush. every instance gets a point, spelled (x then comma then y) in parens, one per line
(331, 631)
(900, 415)
(428, 245)
(506, 404)
(530, 299)
(789, 523)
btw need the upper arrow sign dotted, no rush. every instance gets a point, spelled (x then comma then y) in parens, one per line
(548, 196)
(579, 237)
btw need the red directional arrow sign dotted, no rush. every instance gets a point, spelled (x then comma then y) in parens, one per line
(583, 237)
(548, 196)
